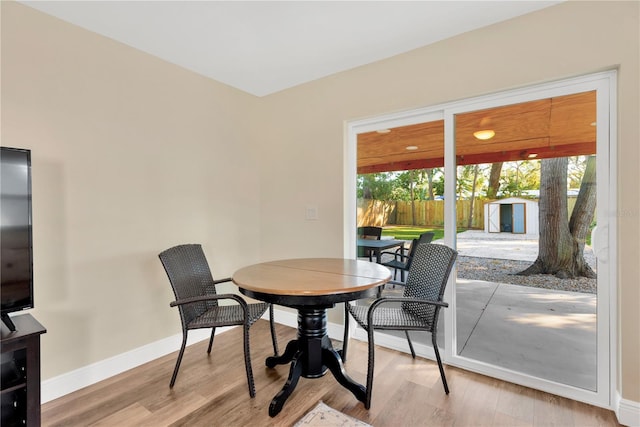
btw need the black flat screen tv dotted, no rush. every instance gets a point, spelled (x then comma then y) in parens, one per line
(16, 256)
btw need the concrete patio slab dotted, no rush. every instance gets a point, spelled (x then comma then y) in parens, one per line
(547, 334)
(472, 301)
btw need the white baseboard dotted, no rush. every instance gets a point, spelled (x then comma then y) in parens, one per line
(69, 382)
(627, 412)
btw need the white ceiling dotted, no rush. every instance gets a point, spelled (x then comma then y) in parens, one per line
(262, 47)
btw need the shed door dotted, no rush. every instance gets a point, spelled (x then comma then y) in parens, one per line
(519, 218)
(494, 218)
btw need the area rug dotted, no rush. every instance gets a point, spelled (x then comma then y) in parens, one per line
(325, 416)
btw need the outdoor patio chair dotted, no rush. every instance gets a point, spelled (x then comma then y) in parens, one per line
(368, 232)
(197, 302)
(416, 310)
(402, 256)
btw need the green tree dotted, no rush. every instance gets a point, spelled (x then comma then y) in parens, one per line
(519, 176)
(464, 181)
(377, 186)
(419, 184)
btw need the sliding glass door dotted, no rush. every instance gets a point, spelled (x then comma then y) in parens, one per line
(526, 288)
(524, 202)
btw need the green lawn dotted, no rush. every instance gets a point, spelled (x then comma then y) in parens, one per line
(403, 232)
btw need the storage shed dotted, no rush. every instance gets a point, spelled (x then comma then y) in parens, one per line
(511, 215)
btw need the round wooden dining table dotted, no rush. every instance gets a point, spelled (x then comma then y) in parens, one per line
(311, 285)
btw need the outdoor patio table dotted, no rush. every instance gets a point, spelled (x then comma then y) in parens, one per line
(311, 285)
(377, 246)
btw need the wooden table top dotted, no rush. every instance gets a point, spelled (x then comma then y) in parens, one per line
(311, 276)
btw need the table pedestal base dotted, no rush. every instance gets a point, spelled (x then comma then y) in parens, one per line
(310, 356)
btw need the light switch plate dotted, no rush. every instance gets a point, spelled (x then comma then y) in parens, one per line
(311, 213)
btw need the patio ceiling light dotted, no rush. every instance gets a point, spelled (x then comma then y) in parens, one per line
(412, 147)
(485, 134)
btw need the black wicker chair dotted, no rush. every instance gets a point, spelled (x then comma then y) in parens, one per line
(197, 301)
(368, 232)
(402, 261)
(416, 310)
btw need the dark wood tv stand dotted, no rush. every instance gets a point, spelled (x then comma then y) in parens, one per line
(20, 369)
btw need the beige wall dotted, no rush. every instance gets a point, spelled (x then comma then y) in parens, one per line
(132, 155)
(303, 138)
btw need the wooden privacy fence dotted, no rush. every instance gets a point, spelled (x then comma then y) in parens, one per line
(428, 212)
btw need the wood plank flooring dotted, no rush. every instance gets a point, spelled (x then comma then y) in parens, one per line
(211, 390)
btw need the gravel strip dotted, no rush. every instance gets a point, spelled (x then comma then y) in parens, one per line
(504, 271)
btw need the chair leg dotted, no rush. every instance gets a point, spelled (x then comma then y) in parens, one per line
(274, 338)
(435, 349)
(413, 353)
(213, 332)
(247, 361)
(180, 354)
(345, 339)
(370, 363)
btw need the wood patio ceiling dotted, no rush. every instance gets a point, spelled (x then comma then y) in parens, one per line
(554, 127)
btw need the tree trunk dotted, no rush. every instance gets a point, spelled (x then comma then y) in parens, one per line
(518, 191)
(494, 180)
(429, 173)
(473, 196)
(559, 251)
(555, 245)
(582, 216)
(413, 198)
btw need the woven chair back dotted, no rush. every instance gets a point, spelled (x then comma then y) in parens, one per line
(189, 275)
(424, 238)
(428, 276)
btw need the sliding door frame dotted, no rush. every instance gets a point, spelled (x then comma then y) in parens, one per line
(605, 83)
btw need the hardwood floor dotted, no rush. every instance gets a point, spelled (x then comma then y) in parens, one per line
(212, 391)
